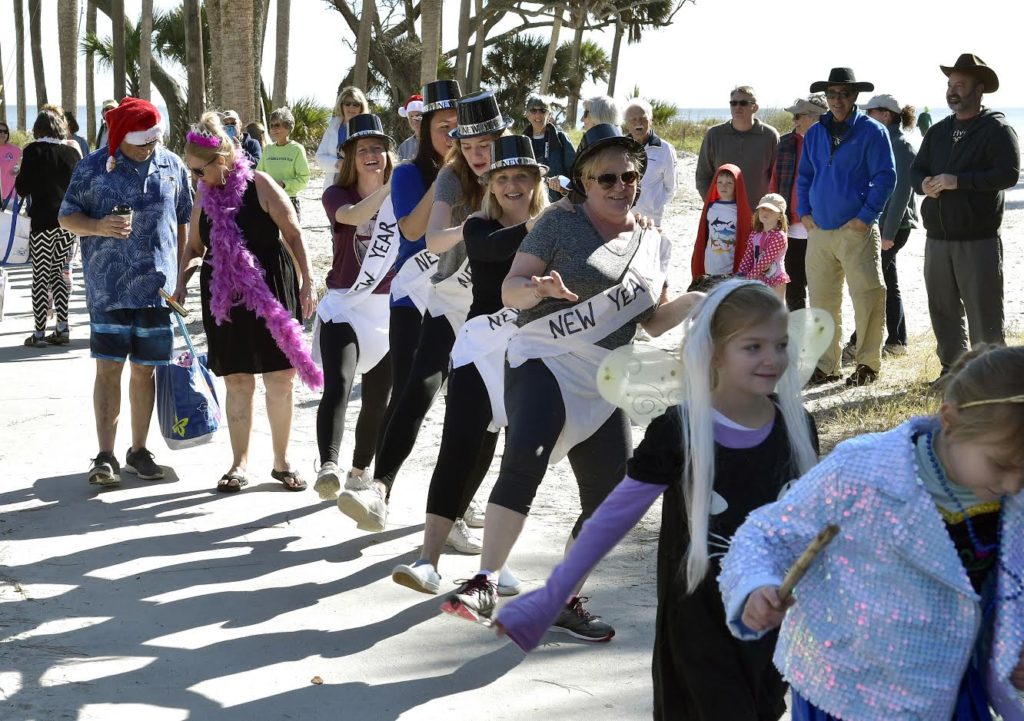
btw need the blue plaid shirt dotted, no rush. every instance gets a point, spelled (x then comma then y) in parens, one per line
(129, 273)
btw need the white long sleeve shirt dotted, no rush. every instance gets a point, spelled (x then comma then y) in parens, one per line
(327, 152)
(658, 186)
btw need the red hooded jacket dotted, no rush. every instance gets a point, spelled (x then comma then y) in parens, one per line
(743, 217)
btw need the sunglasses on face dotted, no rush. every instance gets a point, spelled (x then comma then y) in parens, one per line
(200, 171)
(838, 94)
(740, 103)
(150, 144)
(5, 131)
(608, 180)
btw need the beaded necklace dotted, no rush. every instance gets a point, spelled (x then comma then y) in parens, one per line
(983, 550)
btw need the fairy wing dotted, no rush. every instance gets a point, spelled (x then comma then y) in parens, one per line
(811, 331)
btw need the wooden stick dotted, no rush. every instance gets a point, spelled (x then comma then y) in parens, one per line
(803, 563)
(175, 305)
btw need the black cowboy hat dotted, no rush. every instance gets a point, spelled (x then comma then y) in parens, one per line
(600, 136)
(479, 115)
(973, 65)
(366, 125)
(440, 94)
(512, 151)
(841, 76)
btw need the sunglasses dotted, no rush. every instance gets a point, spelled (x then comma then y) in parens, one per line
(838, 94)
(608, 180)
(741, 103)
(200, 171)
(150, 144)
(5, 131)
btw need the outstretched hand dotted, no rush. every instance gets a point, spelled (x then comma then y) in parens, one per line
(763, 610)
(552, 286)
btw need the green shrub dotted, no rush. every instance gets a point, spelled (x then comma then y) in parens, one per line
(21, 138)
(777, 118)
(311, 121)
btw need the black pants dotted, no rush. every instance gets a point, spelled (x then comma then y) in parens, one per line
(339, 350)
(467, 447)
(895, 319)
(536, 416)
(429, 369)
(403, 337)
(796, 291)
(51, 251)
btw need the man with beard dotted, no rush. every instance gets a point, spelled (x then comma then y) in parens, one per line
(965, 163)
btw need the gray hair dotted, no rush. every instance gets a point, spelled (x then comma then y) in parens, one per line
(642, 105)
(602, 109)
(283, 116)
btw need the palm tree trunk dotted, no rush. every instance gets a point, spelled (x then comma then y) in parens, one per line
(237, 40)
(145, 49)
(90, 74)
(260, 10)
(431, 31)
(616, 46)
(3, 90)
(35, 36)
(476, 62)
(19, 49)
(281, 40)
(216, 69)
(575, 69)
(549, 57)
(362, 66)
(461, 55)
(194, 60)
(67, 32)
(120, 61)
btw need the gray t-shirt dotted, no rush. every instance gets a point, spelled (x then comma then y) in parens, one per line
(448, 189)
(568, 243)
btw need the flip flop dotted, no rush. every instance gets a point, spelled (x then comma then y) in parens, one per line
(290, 479)
(231, 483)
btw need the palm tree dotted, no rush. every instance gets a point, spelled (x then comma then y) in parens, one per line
(216, 64)
(194, 60)
(591, 63)
(67, 31)
(3, 93)
(513, 69)
(145, 48)
(578, 17)
(362, 65)
(549, 57)
(461, 73)
(90, 73)
(19, 50)
(237, 47)
(431, 31)
(282, 37)
(35, 36)
(119, 59)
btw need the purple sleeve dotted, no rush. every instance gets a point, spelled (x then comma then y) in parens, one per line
(526, 618)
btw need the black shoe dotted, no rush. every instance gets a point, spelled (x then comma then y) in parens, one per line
(141, 463)
(36, 341)
(59, 337)
(473, 601)
(820, 378)
(105, 470)
(862, 376)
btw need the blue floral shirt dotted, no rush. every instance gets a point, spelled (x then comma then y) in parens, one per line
(129, 273)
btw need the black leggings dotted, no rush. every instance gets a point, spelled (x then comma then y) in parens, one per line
(536, 416)
(796, 289)
(429, 369)
(459, 471)
(339, 349)
(403, 336)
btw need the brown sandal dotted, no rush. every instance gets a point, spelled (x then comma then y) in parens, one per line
(290, 479)
(232, 483)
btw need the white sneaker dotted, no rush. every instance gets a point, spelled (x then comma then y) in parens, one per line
(474, 515)
(354, 481)
(327, 482)
(463, 540)
(508, 584)
(422, 577)
(366, 506)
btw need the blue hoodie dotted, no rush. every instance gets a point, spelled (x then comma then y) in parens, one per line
(851, 181)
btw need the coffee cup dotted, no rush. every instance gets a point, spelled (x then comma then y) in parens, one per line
(124, 211)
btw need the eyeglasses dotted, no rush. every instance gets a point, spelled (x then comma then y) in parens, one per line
(5, 131)
(150, 144)
(838, 94)
(741, 103)
(608, 180)
(200, 171)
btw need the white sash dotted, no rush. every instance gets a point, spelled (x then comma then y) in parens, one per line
(482, 341)
(380, 254)
(413, 279)
(565, 342)
(452, 297)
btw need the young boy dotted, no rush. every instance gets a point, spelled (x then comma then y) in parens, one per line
(724, 226)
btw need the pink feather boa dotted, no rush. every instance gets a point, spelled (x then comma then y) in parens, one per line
(238, 279)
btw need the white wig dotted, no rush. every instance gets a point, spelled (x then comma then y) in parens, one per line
(698, 350)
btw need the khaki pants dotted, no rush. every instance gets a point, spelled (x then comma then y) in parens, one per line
(831, 255)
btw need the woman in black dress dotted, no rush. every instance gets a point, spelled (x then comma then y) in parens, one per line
(250, 331)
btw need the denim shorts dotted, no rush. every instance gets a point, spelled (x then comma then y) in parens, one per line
(142, 335)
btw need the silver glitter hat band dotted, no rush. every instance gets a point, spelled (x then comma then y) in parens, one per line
(440, 105)
(488, 126)
(373, 133)
(514, 162)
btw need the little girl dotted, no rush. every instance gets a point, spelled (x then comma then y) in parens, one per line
(723, 228)
(730, 447)
(765, 255)
(916, 609)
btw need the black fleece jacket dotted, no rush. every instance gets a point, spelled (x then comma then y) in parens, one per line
(985, 162)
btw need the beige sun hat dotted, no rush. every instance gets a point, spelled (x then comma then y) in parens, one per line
(772, 201)
(812, 105)
(884, 101)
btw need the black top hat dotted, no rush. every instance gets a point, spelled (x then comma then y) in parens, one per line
(512, 151)
(366, 125)
(841, 76)
(973, 65)
(479, 115)
(598, 137)
(440, 94)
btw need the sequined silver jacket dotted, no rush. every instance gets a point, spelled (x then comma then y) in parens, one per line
(886, 618)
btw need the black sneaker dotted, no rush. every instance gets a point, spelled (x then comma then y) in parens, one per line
(36, 341)
(820, 378)
(59, 337)
(105, 470)
(141, 463)
(474, 601)
(862, 376)
(578, 622)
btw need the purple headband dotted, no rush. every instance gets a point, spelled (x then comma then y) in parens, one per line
(203, 138)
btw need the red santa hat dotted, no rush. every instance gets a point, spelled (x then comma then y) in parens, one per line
(134, 121)
(413, 105)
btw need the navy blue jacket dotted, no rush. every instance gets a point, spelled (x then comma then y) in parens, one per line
(852, 180)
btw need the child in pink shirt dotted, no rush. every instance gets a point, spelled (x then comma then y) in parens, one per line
(765, 255)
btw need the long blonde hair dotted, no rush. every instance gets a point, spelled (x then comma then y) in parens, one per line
(209, 124)
(538, 201)
(350, 91)
(729, 309)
